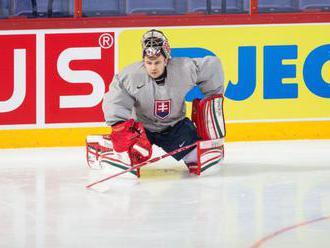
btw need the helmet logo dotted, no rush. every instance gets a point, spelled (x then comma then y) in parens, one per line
(152, 51)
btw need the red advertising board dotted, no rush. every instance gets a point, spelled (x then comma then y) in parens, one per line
(17, 79)
(78, 69)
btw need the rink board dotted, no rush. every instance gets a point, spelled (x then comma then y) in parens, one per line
(235, 132)
(276, 79)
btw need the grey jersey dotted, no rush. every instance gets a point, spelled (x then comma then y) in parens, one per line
(134, 94)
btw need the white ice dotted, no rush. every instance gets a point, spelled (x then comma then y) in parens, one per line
(265, 194)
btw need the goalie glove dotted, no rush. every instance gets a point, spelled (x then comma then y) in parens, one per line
(130, 137)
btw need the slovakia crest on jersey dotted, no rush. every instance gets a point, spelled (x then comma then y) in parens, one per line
(162, 108)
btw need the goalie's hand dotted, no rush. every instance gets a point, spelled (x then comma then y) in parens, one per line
(130, 137)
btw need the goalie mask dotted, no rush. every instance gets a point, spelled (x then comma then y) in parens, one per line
(154, 43)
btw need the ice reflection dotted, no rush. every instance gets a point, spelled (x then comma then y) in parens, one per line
(43, 202)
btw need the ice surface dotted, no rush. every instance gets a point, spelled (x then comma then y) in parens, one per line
(263, 195)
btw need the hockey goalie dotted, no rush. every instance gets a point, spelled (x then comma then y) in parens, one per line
(145, 106)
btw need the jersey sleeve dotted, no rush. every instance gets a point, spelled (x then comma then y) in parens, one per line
(210, 76)
(117, 103)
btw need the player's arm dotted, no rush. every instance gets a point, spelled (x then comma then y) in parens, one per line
(117, 103)
(127, 134)
(210, 76)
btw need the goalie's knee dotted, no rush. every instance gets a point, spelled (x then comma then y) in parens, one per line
(209, 118)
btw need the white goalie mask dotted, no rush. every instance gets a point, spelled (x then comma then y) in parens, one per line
(154, 43)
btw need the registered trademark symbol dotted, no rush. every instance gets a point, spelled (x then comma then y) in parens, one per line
(106, 41)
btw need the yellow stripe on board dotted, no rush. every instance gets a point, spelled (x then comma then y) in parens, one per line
(48, 137)
(278, 131)
(52, 137)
